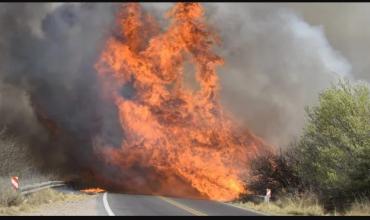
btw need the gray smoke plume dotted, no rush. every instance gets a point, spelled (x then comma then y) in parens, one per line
(276, 63)
(343, 24)
(48, 52)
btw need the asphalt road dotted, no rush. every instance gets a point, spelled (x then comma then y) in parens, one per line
(123, 204)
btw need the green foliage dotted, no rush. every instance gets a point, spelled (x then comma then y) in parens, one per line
(334, 151)
(332, 157)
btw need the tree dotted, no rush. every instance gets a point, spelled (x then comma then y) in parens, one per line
(334, 150)
(275, 171)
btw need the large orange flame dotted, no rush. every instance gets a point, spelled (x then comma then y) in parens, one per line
(167, 125)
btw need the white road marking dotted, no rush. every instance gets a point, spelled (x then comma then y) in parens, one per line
(106, 205)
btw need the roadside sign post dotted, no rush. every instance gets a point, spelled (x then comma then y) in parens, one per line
(15, 182)
(268, 195)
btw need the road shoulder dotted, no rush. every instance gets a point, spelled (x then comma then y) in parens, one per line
(86, 206)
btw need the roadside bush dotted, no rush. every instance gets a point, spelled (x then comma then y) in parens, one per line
(275, 171)
(332, 157)
(334, 151)
(13, 155)
(8, 197)
(16, 161)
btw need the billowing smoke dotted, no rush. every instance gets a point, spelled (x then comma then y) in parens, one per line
(343, 24)
(275, 64)
(47, 53)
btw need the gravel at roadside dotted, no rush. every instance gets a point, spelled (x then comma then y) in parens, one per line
(87, 206)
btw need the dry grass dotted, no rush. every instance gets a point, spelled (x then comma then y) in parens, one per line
(30, 203)
(8, 196)
(286, 209)
(293, 205)
(360, 207)
(305, 205)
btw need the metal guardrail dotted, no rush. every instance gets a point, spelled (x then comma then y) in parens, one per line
(25, 190)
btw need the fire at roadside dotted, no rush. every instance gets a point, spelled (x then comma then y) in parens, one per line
(174, 139)
(173, 133)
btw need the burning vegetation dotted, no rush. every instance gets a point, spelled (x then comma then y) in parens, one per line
(92, 190)
(114, 98)
(124, 117)
(172, 132)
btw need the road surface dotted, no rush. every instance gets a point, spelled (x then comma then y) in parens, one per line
(124, 204)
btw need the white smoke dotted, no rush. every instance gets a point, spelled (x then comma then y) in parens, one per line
(276, 64)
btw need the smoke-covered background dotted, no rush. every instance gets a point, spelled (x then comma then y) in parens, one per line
(278, 58)
(49, 91)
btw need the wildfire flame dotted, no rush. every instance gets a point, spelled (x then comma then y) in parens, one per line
(92, 190)
(169, 126)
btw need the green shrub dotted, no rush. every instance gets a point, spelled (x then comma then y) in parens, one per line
(334, 151)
